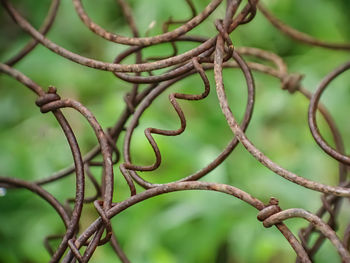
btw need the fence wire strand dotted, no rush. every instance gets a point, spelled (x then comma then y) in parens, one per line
(211, 54)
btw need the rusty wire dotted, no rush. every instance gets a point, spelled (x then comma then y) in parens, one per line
(211, 54)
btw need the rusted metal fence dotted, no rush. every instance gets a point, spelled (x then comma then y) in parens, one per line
(210, 54)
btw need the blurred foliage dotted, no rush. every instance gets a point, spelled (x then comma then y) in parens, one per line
(178, 227)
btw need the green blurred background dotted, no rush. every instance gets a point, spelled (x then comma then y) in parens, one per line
(178, 227)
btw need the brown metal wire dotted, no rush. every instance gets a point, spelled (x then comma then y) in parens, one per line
(211, 54)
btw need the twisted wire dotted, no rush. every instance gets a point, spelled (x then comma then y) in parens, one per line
(212, 53)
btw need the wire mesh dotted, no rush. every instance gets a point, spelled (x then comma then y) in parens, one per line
(211, 54)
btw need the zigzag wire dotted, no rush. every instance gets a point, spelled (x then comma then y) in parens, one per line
(149, 131)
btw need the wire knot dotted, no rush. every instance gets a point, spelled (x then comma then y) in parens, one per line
(219, 24)
(291, 82)
(106, 222)
(48, 97)
(271, 209)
